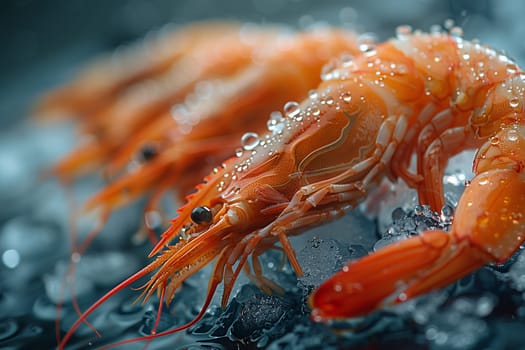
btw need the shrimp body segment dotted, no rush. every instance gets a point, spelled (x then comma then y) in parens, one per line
(432, 95)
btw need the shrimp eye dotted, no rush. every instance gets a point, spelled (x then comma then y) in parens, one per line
(201, 215)
(147, 152)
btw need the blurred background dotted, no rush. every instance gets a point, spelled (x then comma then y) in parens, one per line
(44, 43)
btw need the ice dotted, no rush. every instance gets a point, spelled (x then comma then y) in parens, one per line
(261, 316)
(324, 250)
(413, 222)
(455, 329)
(390, 196)
(253, 317)
(321, 258)
(517, 272)
(385, 199)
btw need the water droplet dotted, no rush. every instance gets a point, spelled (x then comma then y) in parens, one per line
(402, 69)
(511, 68)
(512, 135)
(459, 97)
(483, 220)
(249, 141)
(152, 219)
(367, 43)
(11, 258)
(204, 89)
(238, 152)
(338, 287)
(483, 182)
(448, 24)
(327, 72)
(403, 31)
(419, 210)
(316, 111)
(275, 123)
(494, 140)
(514, 102)
(316, 317)
(435, 29)
(75, 257)
(346, 97)
(329, 100)
(291, 109)
(346, 60)
(313, 94)
(447, 213)
(456, 32)
(516, 217)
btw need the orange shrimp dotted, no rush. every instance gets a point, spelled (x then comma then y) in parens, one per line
(475, 100)
(198, 109)
(434, 95)
(120, 95)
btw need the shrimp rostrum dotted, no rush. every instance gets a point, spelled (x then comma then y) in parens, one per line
(432, 95)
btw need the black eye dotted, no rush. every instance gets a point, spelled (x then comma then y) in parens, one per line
(147, 152)
(201, 215)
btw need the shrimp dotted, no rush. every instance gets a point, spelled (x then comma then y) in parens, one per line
(432, 95)
(171, 122)
(474, 100)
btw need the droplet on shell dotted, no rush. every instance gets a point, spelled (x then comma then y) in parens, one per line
(249, 141)
(403, 31)
(512, 135)
(291, 109)
(367, 43)
(346, 97)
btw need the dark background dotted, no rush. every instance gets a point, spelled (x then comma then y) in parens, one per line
(43, 42)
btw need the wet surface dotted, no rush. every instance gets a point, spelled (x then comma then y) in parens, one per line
(485, 310)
